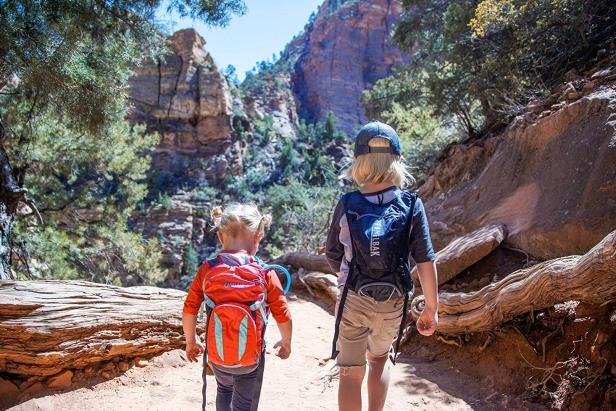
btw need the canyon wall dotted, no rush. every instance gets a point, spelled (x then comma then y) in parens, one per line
(186, 100)
(345, 51)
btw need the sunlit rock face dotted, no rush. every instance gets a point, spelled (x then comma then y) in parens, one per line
(550, 179)
(345, 51)
(186, 99)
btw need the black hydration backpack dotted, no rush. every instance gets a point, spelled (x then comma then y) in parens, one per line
(380, 237)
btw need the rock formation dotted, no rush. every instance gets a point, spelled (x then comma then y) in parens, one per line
(549, 178)
(186, 100)
(345, 51)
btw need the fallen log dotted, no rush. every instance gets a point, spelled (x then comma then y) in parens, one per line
(590, 278)
(326, 283)
(49, 326)
(464, 252)
(309, 262)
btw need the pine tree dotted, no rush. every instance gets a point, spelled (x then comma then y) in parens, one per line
(64, 68)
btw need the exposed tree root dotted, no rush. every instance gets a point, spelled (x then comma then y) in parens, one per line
(590, 278)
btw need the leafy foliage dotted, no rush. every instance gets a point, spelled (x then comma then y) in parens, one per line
(63, 94)
(292, 178)
(482, 61)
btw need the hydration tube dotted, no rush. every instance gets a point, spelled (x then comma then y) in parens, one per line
(284, 270)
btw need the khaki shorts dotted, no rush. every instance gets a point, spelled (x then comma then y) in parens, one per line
(366, 325)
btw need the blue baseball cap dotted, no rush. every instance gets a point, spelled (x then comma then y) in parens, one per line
(376, 129)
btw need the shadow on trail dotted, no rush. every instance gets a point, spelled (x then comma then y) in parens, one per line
(436, 378)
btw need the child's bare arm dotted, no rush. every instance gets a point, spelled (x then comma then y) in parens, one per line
(426, 325)
(193, 346)
(283, 347)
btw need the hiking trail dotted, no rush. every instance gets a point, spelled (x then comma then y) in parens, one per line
(307, 381)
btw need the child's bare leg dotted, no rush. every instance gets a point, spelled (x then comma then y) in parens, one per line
(349, 389)
(378, 381)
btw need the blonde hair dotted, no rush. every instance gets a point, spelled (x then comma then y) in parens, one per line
(235, 217)
(379, 167)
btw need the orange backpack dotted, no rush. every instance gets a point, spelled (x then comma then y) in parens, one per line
(237, 312)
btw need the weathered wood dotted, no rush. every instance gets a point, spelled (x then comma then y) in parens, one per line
(49, 326)
(590, 278)
(327, 283)
(465, 251)
(309, 262)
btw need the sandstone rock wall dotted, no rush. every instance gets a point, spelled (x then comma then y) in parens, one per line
(186, 100)
(345, 51)
(550, 178)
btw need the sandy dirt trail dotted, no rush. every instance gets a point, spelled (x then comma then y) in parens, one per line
(307, 381)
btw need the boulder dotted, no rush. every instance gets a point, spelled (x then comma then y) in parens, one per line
(552, 183)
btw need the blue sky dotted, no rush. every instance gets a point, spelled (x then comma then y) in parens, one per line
(265, 29)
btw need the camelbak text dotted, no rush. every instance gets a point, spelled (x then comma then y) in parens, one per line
(375, 236)
(237, 285)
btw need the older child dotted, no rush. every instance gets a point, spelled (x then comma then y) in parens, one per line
(238, 294)
(372, 233)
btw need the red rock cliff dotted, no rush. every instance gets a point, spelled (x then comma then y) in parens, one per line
(186, 100)
(346, 50)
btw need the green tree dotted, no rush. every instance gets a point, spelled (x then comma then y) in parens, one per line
(487, 59)
(63, 83)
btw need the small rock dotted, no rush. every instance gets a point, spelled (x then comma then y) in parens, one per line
(558, 106)
(573, 95)
(589, 85)
(123, 365)
(140, 362)
(34, 389)
(483, 281)
(601, 73)
(8, 389)
(106, 375)
(78, 377)
(28, 383)
(61, 380)
(109, 367)
(545, 113)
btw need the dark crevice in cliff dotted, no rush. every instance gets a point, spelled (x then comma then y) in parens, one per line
(175, 86)
(160, 75)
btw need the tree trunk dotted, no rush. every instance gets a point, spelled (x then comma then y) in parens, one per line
(50, 326)
(465, 251)
(322, 282)
(309, 262)
(10, 196)
(590, 278)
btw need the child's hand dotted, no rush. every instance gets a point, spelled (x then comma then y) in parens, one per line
(193, 350)
(283, 349)
(427, 322)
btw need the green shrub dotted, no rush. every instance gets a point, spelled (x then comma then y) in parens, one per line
(164, 201)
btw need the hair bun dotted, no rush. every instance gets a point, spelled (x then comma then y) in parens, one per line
(266, 220)
(216, 213)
